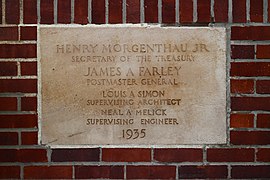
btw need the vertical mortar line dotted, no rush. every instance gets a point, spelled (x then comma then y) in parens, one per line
(152, 154)
(106, 11)
(55, 10)
(3, 11)
(255, 154)
(229, 171)
(21, 171)
(18, 69)
(73, 172)
(100, 154)
(176, 172)
(204, 155)
(177, 11)
(265, 11)
(19, 32)
(228, 67)
(159, 11)
(230, 18)
(195, 14)
(21, 12)
(89, 11)
(142, 11)
(72, 11)
(248, 10)
(20, 137)
(19, 108)
(49, 155)
(124, 11)
(38, 12)
(125, 171)
(255, 119)
(212, 10)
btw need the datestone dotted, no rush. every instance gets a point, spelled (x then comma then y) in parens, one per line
(132, 85)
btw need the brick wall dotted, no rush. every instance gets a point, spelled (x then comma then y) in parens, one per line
(247, 152)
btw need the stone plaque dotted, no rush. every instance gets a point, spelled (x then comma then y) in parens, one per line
(132, 85)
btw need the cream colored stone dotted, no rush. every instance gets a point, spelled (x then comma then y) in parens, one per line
(120, 77)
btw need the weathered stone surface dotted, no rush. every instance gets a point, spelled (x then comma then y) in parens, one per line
(132, 85)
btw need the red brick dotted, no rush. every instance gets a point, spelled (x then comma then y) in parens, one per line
(29, 11)
(23, 155)
(250, 137)
(256, 10)
(263, 155)
(268, 12)
(250, 103)
(186, 11)
(65, 155)
(221, 11)
(263, 87)
(239, 11)
(12, 12)
(115, 11)
(168, 11)
(178, 155)
(0, 13)
(28, 33)
(230, 155)
(242, 121)
(8, 69)
(98, 11)
(64, 11)
(151, 11)
(263, 52)
(133, 11)
(151, 172)
(28, 103)
(243, 52)
(9, 33)
(250, 69)
(260, 171)
(240, 86)
(29, 138)
(18, 121)
(263, 120)
(18, 85)
(203, 8)
(99, 172)
(18, 51)
(8, 104)
(8, 138)
(81, 11)
(256, 33)
(8, 172)
(48, 172)
(46, 12)
(203, 172)
(28, 68)
(126, 155)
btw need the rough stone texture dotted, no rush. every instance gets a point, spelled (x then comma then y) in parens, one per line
(190, 98)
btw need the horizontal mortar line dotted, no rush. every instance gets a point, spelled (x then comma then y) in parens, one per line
(18, 42)
(250, 42)
(18, 77)
(249, 24)
(17, 112)
(251, 78)
(250, 60)
(18, 94)
(250, 95)
(18, 60)
(18, 129)
(248, 112)
(249, 129)
(23, 147)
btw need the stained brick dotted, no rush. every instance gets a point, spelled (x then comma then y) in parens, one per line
(115, 11)
(48, 172)
(151, 11)
(8, 138)
(18, 85)
(243, 52)
(8, 104)
(262, 171)
(178, 155)
(9, 33)
(263, 52)
(250, 69)
(250, 103)
(81, 11)
(203, 8)
(23, 155)
(12, 11)
(99, 172)
(133, 11)
(29, 138)
(186, 11)
(0, 13)
(151, 172)
(98, 11)
(8, 172)
(240, 86)
(239, 11)
(221, 11)
(250, 137)
(28, 33)
(256, 33)
(242, 121)
(18, 51)
(168, 11)
(28, 68)
(28, 103)
(8, 68)
(202, 172)
(268, 13)
(256, 10)
(29, 11)
(263, 120)
(64, 11)
(18, 121)
(263, 155)
(66, 155)
(263, 87)
(230, 155)
(46, 12)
